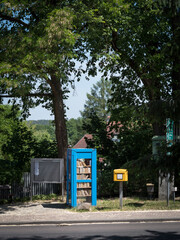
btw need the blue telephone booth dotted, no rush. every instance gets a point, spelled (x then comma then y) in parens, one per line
(81, 176)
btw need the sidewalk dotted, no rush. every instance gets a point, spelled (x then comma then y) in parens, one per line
(58, 213)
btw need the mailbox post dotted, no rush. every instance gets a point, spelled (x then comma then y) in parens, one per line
(120, 175)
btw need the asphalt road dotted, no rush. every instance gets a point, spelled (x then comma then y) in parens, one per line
(127, 231)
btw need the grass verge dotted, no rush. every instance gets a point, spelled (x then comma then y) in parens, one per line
(134, 204)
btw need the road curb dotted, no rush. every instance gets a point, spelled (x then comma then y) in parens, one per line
(88, 222)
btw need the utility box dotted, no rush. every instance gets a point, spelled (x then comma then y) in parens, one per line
(81, 177)
(120, 175)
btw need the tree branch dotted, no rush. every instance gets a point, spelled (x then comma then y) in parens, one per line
(12, 19)
(33, 14)
(28, 95)
(132, 64)
(129, 60)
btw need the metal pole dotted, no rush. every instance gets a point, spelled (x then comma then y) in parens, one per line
(121, 194)
(32, 162)
(63, 191)
(168, 189)
(62, 179)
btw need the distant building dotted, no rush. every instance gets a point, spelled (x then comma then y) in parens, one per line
(112, 132)
(82, 142)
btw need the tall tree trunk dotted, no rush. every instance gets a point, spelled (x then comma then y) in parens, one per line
(158, 128)
(176, 58)
(60, 123)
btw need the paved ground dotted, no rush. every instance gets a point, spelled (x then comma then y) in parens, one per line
(58, 213)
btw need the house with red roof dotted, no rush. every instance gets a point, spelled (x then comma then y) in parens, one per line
(82, 142)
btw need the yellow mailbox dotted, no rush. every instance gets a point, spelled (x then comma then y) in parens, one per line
(120, 175)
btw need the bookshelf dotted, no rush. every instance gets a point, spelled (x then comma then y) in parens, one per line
(81, 176)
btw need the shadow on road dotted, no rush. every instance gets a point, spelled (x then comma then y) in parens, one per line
(151, 235)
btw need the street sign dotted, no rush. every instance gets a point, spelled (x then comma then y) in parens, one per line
(169, 131)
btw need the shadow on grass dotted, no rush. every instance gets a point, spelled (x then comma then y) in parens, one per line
(135, 204)
(104, 208)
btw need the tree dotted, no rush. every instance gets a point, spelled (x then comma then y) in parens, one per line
(17, 147)
(5, 125)
(75, 130)
(97, 100)
(18, 144)
(131, 149)
(38, 60)
(42, 129)
(138, 43)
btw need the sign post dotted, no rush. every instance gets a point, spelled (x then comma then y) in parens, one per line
(169, 140)
(121, 194)
(169, 132)
(120, 175)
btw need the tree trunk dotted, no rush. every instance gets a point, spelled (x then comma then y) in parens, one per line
(176, 59)
(158, 128)
(60, 123)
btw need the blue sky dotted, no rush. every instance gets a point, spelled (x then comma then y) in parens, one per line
(75, 103)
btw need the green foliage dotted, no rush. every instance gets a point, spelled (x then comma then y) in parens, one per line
(45, 148)
(122, 141)
(75, 130)
(5, 125)
(18, 145)
(42, 48)
(39, 59)
(97, 100)
(45, 197)
(136, 43)
(17, 150)
(130, 149)
(42, 129)
(168, 161)
(105, 185)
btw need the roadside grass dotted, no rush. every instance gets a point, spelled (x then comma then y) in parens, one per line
(108, 204)
(134, 204)
(36, 198)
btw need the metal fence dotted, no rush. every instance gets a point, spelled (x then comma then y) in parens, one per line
(23, 189)
(5, 191)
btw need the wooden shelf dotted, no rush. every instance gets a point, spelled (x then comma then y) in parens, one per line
(83, 173)
(81, 196)
(87, 166)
